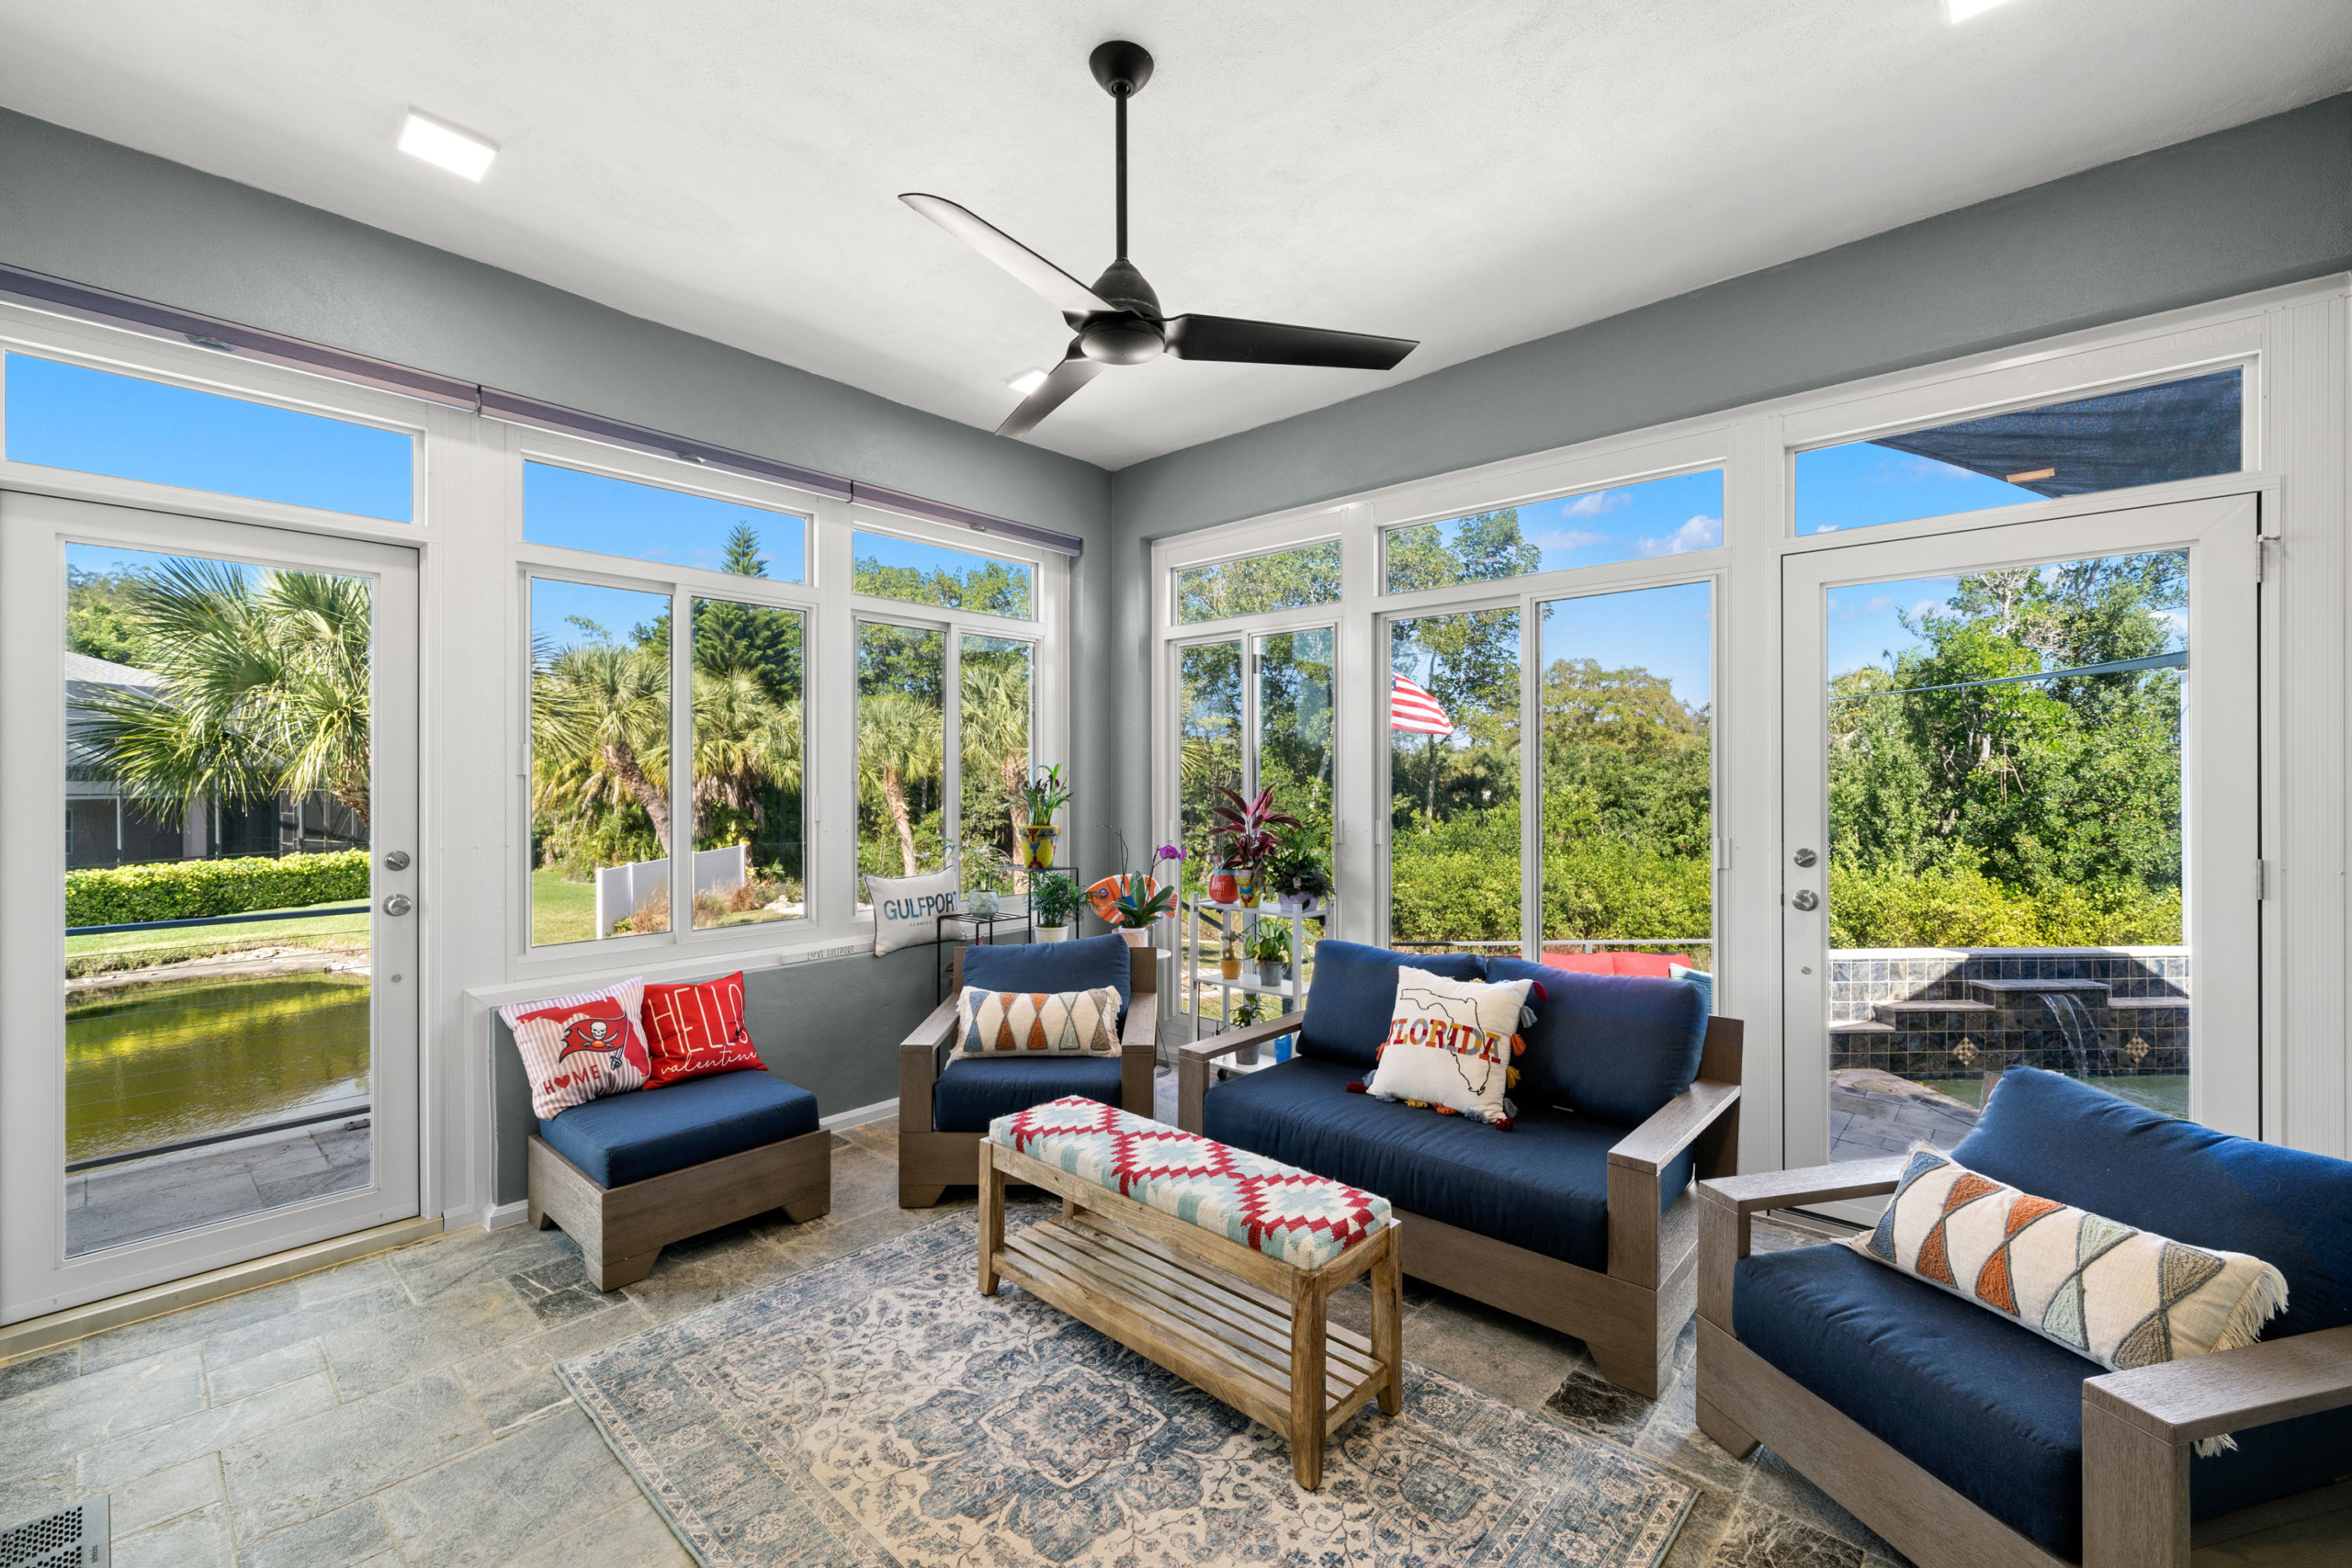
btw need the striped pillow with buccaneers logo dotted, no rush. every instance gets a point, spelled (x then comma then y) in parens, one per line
(699, 1029)
(580, 1047)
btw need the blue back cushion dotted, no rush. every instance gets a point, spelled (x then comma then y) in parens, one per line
(1616, 1046)
(1354, 996)
(2054, 1138)
(1051, 967)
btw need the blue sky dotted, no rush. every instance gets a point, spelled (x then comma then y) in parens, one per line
(616, 517)
(617, 610)
(63, 416)
(1657, 517)
(889, 549)
(1861, 483)
(1862, 628)
(1668, 631)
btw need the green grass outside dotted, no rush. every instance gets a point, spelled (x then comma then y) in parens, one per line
(99, 954)
(561, 911)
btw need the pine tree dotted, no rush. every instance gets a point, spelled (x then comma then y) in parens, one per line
(744, 557)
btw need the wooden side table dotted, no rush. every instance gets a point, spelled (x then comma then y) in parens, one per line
(1251, 1329)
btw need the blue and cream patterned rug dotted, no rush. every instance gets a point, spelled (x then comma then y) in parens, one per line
(878, 1410)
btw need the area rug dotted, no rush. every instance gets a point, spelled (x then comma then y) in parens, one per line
(878, 1410)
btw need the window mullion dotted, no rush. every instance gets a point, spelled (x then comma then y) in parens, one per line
(681, 765)
(951, 763)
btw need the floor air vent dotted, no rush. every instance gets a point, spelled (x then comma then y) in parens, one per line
(70, 1538)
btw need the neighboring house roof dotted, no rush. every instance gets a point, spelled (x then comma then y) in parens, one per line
(85, 678)
(82, 669)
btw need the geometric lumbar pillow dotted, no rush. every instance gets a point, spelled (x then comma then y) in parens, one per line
(1450, 1046)
(997, 1023)
(2122, 1297)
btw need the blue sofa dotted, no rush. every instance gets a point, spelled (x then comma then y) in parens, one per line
(945, 1106)
(1965, 1438)
(1573, 1218)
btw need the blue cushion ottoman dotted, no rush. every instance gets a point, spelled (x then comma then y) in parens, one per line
(628, 1173)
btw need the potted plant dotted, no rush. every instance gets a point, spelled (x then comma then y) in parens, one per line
(1224, 886)
(982, 861)
(1143, 902)
(1042, 797)
(1271, 950)
(1297, 875)
(1054, 899)
(1250, 825)
(1228, 956)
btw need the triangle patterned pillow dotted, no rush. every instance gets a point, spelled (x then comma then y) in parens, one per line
(1000, 1024)
(2120, 1297)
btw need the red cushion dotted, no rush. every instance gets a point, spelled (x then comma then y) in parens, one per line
(1653, 965)
(698, 1029)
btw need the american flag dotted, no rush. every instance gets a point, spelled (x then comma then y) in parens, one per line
(1414, 710)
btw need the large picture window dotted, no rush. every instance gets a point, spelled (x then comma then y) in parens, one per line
(945, 727)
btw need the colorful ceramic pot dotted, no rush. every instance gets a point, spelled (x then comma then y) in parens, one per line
(1037, 843)
(1224, 888)
(1246, 881)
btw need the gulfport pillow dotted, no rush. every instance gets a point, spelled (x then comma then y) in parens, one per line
(906, 909)
(2122, 1297)
(1001, 1023)
(580, 1047)
(692, 1030)
(1450, 1046)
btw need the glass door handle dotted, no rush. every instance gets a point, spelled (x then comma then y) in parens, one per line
(398, 904)
(1805, 898)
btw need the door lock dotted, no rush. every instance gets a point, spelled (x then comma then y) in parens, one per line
(1806, 899)
(399, 904)
(396, 861)
(1807, 859)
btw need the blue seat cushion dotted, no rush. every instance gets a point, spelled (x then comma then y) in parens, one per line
(1616, 1046)
(973, 1092)
(1543, 1186)
(1992, 1410)
(1354, 996)
(625, 1138)
(2054, 1138)
(1052, 966)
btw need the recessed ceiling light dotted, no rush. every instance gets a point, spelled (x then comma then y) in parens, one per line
(1961, 10)
(1026, 383)
(445, 146)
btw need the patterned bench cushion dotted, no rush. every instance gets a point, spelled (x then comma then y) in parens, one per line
(1301, 1218)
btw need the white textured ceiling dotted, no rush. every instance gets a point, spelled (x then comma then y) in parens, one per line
(1471, 175)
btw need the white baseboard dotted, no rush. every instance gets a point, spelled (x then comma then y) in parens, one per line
(860, 1116)
(499, 1216)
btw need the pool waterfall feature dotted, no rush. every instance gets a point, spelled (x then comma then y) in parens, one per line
(1937, 1015)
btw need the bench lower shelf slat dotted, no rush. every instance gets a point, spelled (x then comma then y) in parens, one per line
(1098, 1298)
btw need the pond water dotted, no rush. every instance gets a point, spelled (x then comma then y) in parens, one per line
(157, 1063)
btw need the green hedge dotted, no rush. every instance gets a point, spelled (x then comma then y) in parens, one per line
(1944, 906)
(190, 889)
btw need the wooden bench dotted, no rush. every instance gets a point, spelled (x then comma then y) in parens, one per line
(1247, 1323)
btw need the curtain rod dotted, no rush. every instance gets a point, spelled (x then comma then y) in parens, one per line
(110, 309)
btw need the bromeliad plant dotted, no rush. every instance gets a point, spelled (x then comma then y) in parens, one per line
(1249, 827)
(1043, 796)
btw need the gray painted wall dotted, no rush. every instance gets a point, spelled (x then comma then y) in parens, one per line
(832, 1027)
(2262, 204)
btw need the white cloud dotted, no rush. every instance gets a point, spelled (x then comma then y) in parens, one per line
(1569, 539)
(1701, 533)
(1596, 504)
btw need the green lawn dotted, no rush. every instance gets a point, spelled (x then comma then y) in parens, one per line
(561, 911)
(140, 950)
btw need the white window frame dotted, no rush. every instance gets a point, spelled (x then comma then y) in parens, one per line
(2290, 345)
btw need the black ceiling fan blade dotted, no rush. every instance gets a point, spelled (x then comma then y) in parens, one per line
(1272, 342)
(1055, 390)
(1068, 294)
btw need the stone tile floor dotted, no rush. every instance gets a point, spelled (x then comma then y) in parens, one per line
(403, 1409)
(125, 1202)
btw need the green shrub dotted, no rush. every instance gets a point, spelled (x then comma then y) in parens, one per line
(1959, 906)
(191, 889)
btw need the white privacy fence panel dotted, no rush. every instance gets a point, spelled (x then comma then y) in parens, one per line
(621, 889)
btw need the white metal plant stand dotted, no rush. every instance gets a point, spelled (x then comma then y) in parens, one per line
(1194, 977)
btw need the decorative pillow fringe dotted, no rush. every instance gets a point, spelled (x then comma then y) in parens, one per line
(2264, 1299)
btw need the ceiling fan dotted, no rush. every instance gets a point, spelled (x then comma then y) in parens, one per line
(1118, 319)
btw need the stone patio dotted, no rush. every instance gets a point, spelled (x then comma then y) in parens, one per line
(155, 1197)
(403, 1409)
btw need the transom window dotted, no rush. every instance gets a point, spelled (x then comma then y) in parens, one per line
(1668, 516)
(1250, 585)
(581, 511)
(886, 566)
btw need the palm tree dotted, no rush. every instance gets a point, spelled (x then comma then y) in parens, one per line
(899, 741)
(600, 731)
(264, 689)
(745, 743)
(995, 721)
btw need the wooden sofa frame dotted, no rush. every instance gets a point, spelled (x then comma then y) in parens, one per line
(2138, 1426)
(621, 1230)
(1629, 1317)
(930, 1161)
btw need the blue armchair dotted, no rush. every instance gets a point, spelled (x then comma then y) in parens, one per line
(945, 1111)
(1966, 1439)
